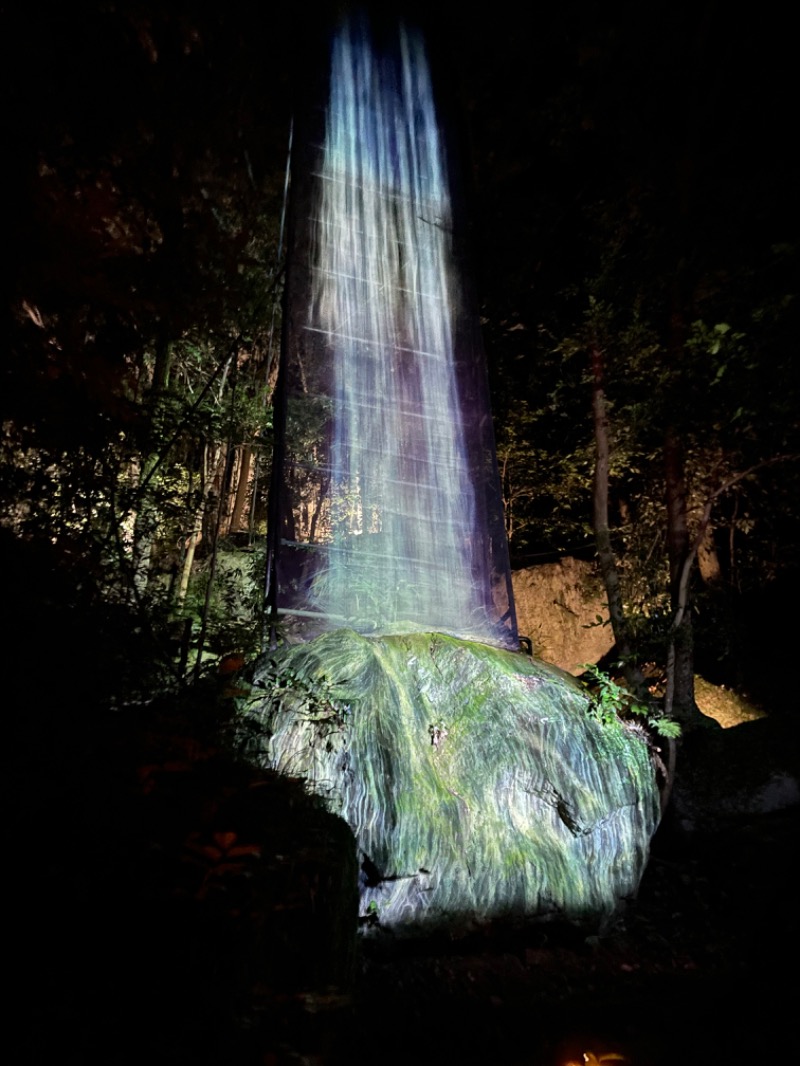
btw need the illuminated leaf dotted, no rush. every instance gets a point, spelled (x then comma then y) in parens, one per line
(245, 849)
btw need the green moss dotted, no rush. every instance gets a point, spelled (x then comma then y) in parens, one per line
(523, 804)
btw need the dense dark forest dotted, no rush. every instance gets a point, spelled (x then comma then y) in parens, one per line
(631, 184)
(633, 235)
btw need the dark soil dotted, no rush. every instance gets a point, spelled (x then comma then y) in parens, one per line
(701, 968)
(170, 904)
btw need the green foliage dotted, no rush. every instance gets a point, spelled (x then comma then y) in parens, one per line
(232, 607)
(290, 687)
(697, 328)
(610, 702)
(665, 727)
(140, 364)
(546, 486)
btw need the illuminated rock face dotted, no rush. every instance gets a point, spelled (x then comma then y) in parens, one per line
(390, 511)
(476, 784)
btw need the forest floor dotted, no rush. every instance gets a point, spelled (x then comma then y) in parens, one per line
(162, 906)
(701, 968)
(165, 910)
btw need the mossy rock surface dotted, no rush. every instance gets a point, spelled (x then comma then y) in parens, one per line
(478, 787)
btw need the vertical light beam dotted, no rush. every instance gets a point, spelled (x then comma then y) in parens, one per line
(401, 539)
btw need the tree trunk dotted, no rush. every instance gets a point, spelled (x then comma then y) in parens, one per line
(146, 519)
(679, 699)
(602, 533)
(212, 573)
(682, 643)
(192, 541)
(227, 493)
(196, 535)
(243, 483)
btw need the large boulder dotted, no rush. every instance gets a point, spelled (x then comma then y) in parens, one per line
(476, 782)
(558, 605)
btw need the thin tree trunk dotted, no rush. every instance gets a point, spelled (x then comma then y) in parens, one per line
(679, 698)
(214, 494)
(192, 541)
(212, 570)
(227, 492)
(680, 659)
(146, 519)
(196, 534)
(683, 575)
(602, 533)
(251, 521)
(144, 527)
(245, 464)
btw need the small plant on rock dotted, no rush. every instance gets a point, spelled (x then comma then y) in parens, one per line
(610, 702)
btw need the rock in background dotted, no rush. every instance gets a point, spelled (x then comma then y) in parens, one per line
(557, 607)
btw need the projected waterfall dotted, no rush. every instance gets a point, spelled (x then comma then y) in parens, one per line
(478, 786)
(391, 518)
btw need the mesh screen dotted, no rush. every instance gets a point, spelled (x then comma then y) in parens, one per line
(389, 516)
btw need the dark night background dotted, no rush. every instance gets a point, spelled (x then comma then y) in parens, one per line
(642, 156)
